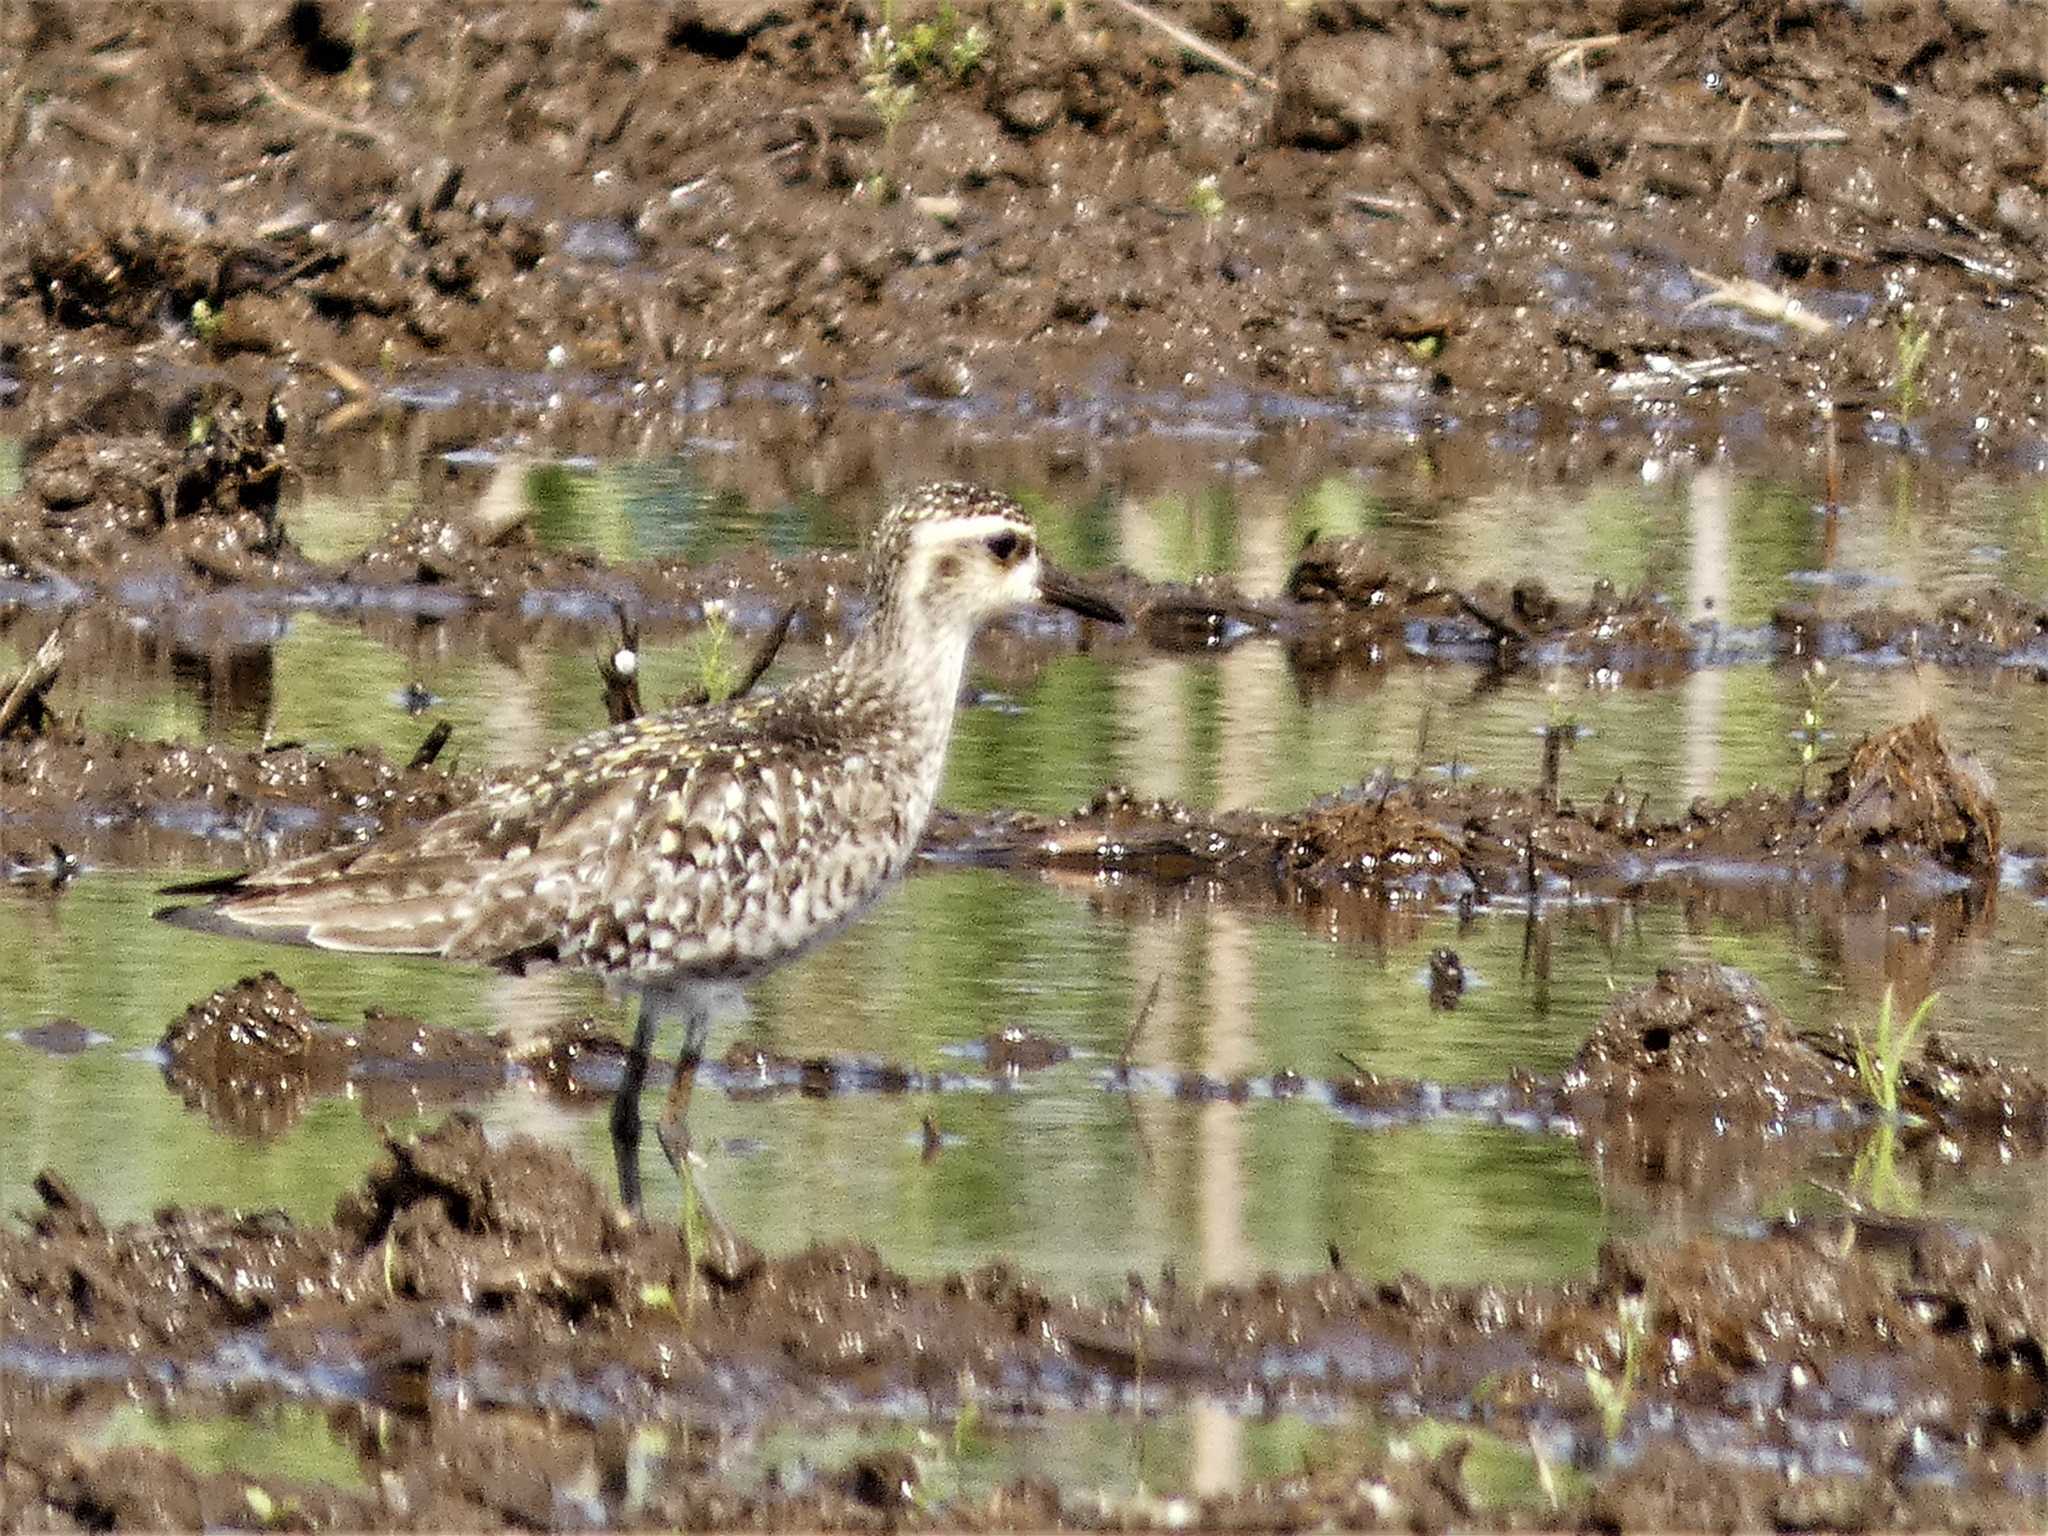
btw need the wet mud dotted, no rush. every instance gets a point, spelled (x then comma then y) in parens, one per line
(176, 525)
(254, 243)
(1904, 815)
(474, 1298)
(1535, 219)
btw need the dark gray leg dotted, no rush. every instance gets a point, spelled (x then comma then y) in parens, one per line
(672, 1129)
(653, 1006)
(713, 1247)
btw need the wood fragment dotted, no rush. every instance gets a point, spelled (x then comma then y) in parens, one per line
(1783, 138)
(1754, 298)
(1556, 47)
(430, 748)
(24, 702)
(321, 118)
(89, 125)
(345, 378)
(764, 658)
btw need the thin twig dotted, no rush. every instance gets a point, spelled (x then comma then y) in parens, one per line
(1138, 1024)
(1783, 138)
(1199, 47)
(764, 658)
(90, 126)
(1123, 1070)
(1755, 298)
(1573, 50)
(430, 749)
(345, 378)
(320, 118)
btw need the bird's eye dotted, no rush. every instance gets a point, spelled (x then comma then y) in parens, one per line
(1007, 547)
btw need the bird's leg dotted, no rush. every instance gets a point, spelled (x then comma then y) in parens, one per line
(626, 1104)
(712, 1245)
(672, 1130)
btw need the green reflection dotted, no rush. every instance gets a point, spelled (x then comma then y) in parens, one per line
(286, 1442)
(1078, 1184)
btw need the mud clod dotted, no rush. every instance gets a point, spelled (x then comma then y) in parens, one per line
(1705, 1039)
(202, 499)
(1392, 190)
(1905, 811)
(498, 1266)
(1907, 789)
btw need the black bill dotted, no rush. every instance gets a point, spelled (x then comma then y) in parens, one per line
(1062, 591)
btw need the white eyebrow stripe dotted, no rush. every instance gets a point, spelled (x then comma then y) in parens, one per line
(980, 526)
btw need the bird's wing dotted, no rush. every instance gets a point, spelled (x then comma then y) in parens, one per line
(412, 890)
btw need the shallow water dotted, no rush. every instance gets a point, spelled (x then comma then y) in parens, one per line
(1078, 1183)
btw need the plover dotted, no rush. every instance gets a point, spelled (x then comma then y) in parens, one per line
(692, 849)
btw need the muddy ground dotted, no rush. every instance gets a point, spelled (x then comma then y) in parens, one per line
(252, 240)
(1534, 219)
(481, 1324)
(476, 1307)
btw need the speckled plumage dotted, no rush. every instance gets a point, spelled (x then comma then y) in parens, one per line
(699, 844)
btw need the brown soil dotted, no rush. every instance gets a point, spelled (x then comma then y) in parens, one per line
(488, 1310)
(245, 233)
(1904, 814)
(1420, 217)
(178, 520)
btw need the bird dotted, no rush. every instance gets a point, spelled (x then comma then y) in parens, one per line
(686, 852)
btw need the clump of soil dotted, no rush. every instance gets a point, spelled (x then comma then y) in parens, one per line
(252, 1059)
(202, 497)
(468, 1283)
(1360, 605)
(1904, 806)
(158, 800)
(1536, 219)
(1904, 790)
(1987, 626)
(1703, 1041)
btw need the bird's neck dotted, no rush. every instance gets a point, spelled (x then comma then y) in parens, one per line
(909, 671)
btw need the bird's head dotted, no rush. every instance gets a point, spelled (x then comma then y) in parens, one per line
(958, 555)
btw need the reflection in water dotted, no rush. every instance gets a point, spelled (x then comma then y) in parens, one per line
(1077, 1184)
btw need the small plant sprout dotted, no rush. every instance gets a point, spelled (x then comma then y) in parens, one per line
(1813, 719)
(205, 320)
(1880, 1063)
(362, 32)
(657, 1298)
(1612, 1395)
(1875, 1179)
(1915, 337)
(891, 98)
(718, 671)
(696, 1231)
(893, 63)
(965, 50)
(967, 1422)
(1206, 202)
